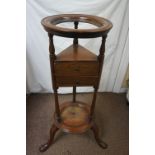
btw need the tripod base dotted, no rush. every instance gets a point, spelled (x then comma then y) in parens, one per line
(75, 118)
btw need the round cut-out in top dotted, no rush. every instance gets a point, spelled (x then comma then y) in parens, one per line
(102, 25)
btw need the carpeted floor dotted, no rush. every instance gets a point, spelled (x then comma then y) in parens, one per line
(111, 115)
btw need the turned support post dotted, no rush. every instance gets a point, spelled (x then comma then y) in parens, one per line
(74, 93)
(101, 55)
(93, 103)
(75, 41)
(101, 59)
(52, 58)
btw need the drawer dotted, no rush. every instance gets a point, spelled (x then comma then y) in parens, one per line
(77, 68)
(76, 81)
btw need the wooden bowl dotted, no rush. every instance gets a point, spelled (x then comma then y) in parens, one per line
(74, 117)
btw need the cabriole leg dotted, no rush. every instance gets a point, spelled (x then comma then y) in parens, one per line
(45, 146)
(95, 130)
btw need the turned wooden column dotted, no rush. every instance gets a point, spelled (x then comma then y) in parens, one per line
(100, 59)
(52, 58)
(101, 55)
(75, 42)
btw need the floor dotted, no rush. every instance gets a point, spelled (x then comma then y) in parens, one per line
(111, 115)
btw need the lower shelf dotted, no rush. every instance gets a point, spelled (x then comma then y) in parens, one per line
(74, 117)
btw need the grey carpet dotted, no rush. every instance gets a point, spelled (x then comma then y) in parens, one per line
(111, 115)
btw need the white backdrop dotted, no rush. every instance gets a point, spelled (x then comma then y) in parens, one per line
(116, 56)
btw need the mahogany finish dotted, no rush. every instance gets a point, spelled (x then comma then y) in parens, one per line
(75, 66)
(74, 117)
(103, 25)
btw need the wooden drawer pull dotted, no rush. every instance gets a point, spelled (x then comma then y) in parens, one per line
(77, 82)
(77, 69)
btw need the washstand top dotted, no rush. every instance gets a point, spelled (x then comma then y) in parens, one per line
(50, 24)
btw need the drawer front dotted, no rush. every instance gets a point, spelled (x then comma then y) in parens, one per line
(77, 69)
(76, 81)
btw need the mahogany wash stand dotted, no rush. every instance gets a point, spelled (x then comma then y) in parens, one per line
(75, 66)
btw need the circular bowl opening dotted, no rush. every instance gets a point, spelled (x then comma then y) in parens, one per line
(81, 25)
(89, 26)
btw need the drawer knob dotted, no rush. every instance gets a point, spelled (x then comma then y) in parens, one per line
(77, 82)
(76, 69)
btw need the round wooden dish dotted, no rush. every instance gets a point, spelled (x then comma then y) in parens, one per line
(74, 117)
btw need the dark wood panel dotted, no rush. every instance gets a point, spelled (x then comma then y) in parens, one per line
(76, 81)
(77, 69)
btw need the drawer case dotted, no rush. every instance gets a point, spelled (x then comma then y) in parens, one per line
(77, 68)
(76, 73)
(76, 81)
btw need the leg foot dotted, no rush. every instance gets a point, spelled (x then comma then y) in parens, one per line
(45, 146)
(95, 130)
